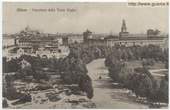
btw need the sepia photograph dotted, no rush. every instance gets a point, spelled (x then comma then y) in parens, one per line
(85, 55)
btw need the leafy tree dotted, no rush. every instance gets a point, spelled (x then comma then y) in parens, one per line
(4, 103)
(163, 90)
(85, 85)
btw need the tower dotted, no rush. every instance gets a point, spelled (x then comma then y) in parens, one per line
(123, 31)
(123, 28)
(87, 35)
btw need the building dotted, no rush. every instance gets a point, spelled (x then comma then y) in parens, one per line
(29, 37)
(136, 39)
(87, 35)
(53, 52)
(123, 32)
(94, 39)
(97, 42)
(41, 42)
(8, 41)
(126, 39)
(75, 38)
(34, 43)
(72, 38)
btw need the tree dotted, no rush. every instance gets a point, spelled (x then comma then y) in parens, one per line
(4, 103)
(163, 90)
(114, 67)
(10, 66)
(85, 85)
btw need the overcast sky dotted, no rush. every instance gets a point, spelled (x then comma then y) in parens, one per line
(97, 17)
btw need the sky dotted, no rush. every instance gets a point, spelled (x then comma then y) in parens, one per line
(97, 17)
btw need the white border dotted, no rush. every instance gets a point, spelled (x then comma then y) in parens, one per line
(53, 1)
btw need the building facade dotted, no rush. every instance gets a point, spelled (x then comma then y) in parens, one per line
(34, 43)
(152, 37)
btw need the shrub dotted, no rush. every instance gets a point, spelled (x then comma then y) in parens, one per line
(144, 87)
(4, 103)
(163, 90)
(85, 85)
(10, 66)
(12, 94)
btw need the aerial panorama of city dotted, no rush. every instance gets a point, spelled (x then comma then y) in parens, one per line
(84, 56)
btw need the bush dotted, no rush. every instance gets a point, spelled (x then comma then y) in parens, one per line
(85, 85)
(4, 103)
(142, 85)
(163, 90)
(10, 66)
(71, 69)
(114, 67)
(148, 62)
(12, 94)
(40, 75)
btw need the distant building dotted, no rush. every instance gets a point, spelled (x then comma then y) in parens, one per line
(97, 42)
(87, 35)
(133, 40)
(60, 52)
(8, 41)
(152, 33)
(93, 39)
(30, 42)
(124, 38)
(24, 42)
(72, 38)
(123, 32)
(28, 37)
(151, 37)
(75, 38)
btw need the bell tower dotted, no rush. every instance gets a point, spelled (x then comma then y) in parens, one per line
(123, 31)
(123, 28)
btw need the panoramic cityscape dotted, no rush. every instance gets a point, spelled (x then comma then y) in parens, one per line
(89, 69)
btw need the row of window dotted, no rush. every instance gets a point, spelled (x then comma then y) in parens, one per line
(135, 43)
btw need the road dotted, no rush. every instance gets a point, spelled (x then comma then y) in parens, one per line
(106, 95)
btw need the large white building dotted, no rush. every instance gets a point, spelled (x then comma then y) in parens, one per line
(29, 42)
(59, 52)
(8, 41)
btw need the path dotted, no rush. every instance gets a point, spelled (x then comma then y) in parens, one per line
(105, 95)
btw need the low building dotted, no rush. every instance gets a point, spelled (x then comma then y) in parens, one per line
(135, 39)
(152, 37)
(8, 41)
(75, 38)
(41, 42)
(72, 38)
(53, 52)
(97, 42)
(94, 39)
